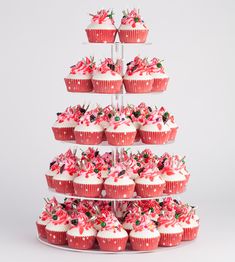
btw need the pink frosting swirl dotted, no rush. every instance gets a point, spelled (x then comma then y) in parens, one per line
(91, 117)
(167, 219)
(132, 18)
(119, 171)
(103, 17)
(155, 66)
(108, 65)
(109, 222)
(81, 222)
(85, 66)
(137, 66)
(71, 113)
(150, 172)
(60, 217)
(119, 119)
(89, 170)
(173, 164)
(144, 222)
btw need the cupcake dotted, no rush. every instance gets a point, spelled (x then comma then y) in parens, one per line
(89, 182)
(58, 226)
(151, 208)
(132, 28)
(119, 184)
(63, 128)
(121, 131)
(159, 76)
(170, 230)
(171, 173)
(81, 234)
(132, 213)
(63, 182)
(107, 77)
(154, 130)
(150, 183)
(79, 78)
(145, 235)
(112, 236)
(41, 223)
(137, 78)
(102, 28)
(89, 131)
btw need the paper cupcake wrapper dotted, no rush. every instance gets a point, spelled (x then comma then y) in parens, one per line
(78, 85)
(64, 133)
(173, 133)
(112, 244)
(149, 190)
(160, 84)
(88, 138)
(63, 186)
(81, 242)
(137, 136)
(101, 35)
(107, 86)
(56, 238)
(143, 244)
(175, 187)
(169, 240)
(41, 230)
(120, 139)
(190, 233)
(119, 191)
(158, 138)
(138, 86)
(49, 181)
(86, 190)
(133, 36)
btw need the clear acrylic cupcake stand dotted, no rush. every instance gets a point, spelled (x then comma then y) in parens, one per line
(117, 52)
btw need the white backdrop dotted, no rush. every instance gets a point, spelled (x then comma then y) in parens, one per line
(41, 39)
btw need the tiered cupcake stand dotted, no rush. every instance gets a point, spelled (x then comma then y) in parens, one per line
(117, 52)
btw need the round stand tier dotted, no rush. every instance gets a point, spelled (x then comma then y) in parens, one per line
(116, 43)
(98, 251)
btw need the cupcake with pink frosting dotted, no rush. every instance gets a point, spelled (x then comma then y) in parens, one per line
(79, 78)
(137, 78)
(150, 183)
(107, 77)
(63, 128)
(102, 28)
(89, 130)
(81, 234)
(89, 182)
(119, 184)
(158, 73)
(132, 28)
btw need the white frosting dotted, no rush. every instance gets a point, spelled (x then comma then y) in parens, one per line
(137, 76)
(159, 75)
(175, 177)
(104, 124)
(70, 123)
(43, 222)
(145, 233)
(175, 229)
(79, 76)
(154, 128)
(111, 234)
(139, 26)
(65, 176)
(171, 124)
(91, 128)
(157, 180)
(121, 181)
(101, 26)
(137, 125)
(193, 223)
(127, 226)
(86, 232)
(57, 228)
(51, 173)
(122, 128)
(104, 173)
(106, 76)
(82, 179)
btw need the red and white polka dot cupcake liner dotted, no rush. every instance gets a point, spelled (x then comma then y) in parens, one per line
(138, 86)
(133, 36)
(112, 244)
(101, 35)
(190, 233)
(158, 138)
(56, 238)
(144, 190)
(41, 230)
(87, 190)
(120, 138)
(88, 138)
(63, 186)
(63, 133)
(119, 191)
(107, 86)
(173, 133)
(78, 85)
(143, 244)
(175, 187)
(49, 181)
(170, 239)
(160, 84)
(81, 242)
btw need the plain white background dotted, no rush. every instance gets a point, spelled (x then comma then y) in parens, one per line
(41, 39)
